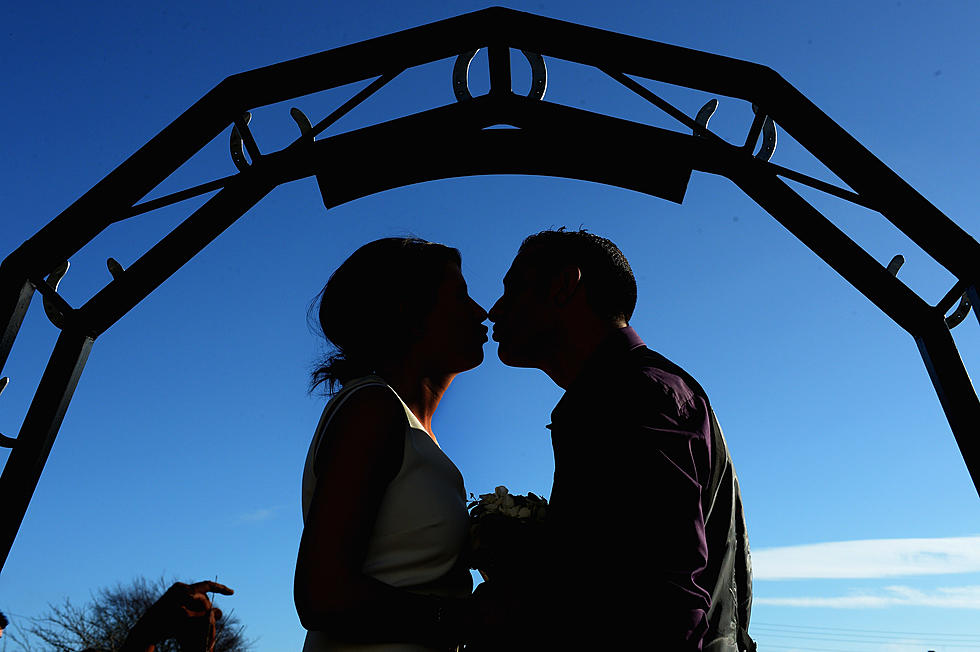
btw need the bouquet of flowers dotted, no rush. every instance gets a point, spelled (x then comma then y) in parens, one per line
(506, 533)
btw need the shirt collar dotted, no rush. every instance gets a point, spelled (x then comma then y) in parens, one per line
(606, 356)
(616, 344)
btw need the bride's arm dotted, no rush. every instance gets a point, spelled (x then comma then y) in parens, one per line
(361, 453)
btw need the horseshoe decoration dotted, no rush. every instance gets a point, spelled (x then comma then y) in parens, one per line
(238, 146)
(51, 309)
(768, 137)
(461, 70)
(705, 114)
(962, 311)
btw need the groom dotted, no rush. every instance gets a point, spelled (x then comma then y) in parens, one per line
(647, 540)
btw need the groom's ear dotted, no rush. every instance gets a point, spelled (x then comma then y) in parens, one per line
(566, 284)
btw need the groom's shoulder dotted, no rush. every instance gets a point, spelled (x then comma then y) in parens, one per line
(657, 383)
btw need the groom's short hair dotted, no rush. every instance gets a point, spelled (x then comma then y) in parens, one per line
(606, 274)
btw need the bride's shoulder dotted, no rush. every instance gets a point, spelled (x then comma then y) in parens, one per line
(366, 404)
(368, 419)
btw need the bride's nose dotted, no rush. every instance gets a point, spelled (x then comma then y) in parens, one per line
(478, 309)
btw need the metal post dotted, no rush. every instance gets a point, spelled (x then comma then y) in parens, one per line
(37, 434)
(15, 298)
(956, 392)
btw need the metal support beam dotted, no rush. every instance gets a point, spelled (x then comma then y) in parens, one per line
(38, 432)
(956, 392)
(846, 257)
(177, 248)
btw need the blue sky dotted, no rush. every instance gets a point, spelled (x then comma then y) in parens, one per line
(181, 453)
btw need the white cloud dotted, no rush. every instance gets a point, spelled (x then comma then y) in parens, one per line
(868, 559)
(261, 514)
(959, 597)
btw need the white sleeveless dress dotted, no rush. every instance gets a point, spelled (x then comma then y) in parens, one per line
(421, 527)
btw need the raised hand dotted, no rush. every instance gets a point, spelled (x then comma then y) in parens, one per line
(183, 612)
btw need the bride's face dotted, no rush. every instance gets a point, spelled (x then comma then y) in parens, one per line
(453, 334)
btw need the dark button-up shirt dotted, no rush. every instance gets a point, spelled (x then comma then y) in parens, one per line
(632, 441)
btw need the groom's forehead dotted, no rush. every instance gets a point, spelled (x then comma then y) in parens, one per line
(522, 272)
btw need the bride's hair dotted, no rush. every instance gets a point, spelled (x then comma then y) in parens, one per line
(373, 304)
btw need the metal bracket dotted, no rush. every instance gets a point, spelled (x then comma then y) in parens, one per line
(238, 146)
(115, 269)
(461, 72)
(304, 124)
(895, 264)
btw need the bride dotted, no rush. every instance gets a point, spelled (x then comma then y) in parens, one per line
(384, 508)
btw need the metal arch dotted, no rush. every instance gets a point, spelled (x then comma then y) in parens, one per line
(115, 197)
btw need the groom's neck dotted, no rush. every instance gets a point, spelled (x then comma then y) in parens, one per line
(573, 349)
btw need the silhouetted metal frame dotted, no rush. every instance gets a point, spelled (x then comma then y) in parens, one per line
(449, 141)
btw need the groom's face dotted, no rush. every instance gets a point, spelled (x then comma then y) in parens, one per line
(523, 318)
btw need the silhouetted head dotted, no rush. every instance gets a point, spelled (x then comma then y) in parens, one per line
(3, 623)
(391, 297)
(558, 280)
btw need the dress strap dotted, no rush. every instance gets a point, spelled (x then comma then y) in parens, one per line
(338, 400)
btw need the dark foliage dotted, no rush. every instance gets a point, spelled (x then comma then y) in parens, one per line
(105, 620)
